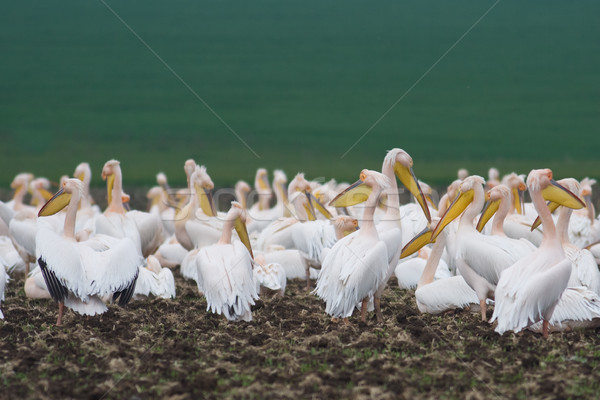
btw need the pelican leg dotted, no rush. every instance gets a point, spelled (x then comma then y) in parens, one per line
(483, 307)
(377, 302)
(363, 310)
(308, 279)
(346, 321)
(545, 326)
(61, 307)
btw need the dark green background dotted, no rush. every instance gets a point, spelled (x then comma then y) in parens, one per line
(300, 82)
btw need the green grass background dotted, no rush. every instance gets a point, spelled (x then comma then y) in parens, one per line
(300, 82)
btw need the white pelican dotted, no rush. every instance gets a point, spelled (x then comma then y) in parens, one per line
(196, 224)
(154, 280)
(118, 223)
(397, 163)
(241, 190)
(578, 308)
(435, 296)
(530, 289)
(225, 270)
(497, 206)
(21, 185)
(585, 270)
(584, 228)
(260, 219)
(518, 222)
(39, 192)
(10, 259)
(268, 276)
(479, 258)
(356, 265)
(263, 189)
(278, 232)
(78, 274)
(493, 178)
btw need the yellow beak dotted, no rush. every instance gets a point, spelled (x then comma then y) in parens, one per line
(417, 243)
(319, 206)
(206, 201)
(110, 182)
(59, 201)
(489, 210)
(240, 228)
(460, 203)
(409, 180)
(356, 193)
(559, 194)
(519, 197)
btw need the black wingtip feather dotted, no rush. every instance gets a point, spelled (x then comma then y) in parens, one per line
(57, 290)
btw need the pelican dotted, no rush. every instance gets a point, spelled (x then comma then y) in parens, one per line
(39, 192)
(154, 280)
(21, 185)
(585, 270)
(225, 270)
(278, 232)
(493, 178)
(435, 296)
(263, 189)
(144, 228)
(497, 206)
(268, 276)
(518, 222)
(196, 224)
(584, 228)
(78, 274)
(260, 219)
(530, 289)
(356, 265)
(578, 308)
(10, 259)
(479, 258)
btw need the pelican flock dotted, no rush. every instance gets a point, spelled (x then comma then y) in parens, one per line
(481, 247)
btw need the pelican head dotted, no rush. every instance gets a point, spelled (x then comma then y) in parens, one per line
(466, 194)
(237, 214)
(462, 174)
(402, 163)
(493, 197)
(540, 180)
(360, 190)
(344, 225)
(71, 187)
(261, 181)
(203, 186)
(21, 180)
(586, 193)
(83, 172)
(516, 183)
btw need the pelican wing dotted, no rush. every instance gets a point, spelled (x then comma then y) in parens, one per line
(312, 237)
(585, 270)
(23, 233)
(490, 255)
(576, 304)
(225, 277)
(351, 271)
(150, 228)
(112, 271)
(60, 262)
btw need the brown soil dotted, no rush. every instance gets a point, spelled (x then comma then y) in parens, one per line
(174, 349)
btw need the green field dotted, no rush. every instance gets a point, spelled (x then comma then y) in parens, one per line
(300, 82)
